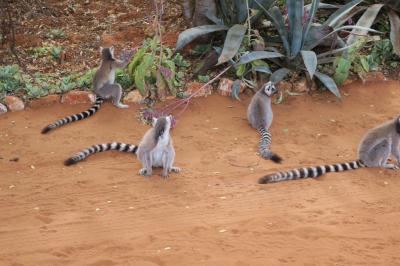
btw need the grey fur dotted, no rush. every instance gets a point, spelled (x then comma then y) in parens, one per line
(260, 116)
(156, 148)
(104, 79)
(374, 150)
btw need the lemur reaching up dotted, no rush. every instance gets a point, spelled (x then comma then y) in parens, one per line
(259, 114)
(374, 150)
(155, 149)
(103, 86)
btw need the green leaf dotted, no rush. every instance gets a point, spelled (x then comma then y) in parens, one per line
(295, 16)
(395, 31)
(142, 71)
(364, 63)
(310, 61)
(232, 43)
(262, 69)
(328, 83)
(257, 55)
(279, 74)
(189, 35)
(343, 66)
(307, 25)
(366, 21)
(137, 59)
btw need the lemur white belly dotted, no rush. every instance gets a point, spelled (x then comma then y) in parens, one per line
(158, 154)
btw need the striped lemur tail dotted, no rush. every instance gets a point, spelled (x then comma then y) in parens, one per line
(308, 172)
(76, 117)
(265, 142)
(100, 148)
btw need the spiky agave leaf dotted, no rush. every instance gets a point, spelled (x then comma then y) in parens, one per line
(189, 35)
(256, 55)
(236, 89)
(340, 13)
(328, 82)
(313, 10)
(366, 21)
(295, 16)
(232, 43)
(395, 31)
(310, 61)
(279, 74)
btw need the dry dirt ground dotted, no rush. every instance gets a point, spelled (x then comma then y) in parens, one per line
(101, 212)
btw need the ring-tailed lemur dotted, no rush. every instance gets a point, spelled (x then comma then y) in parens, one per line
(259, 114)
(103, 86)
(374, 150)
(154, 150)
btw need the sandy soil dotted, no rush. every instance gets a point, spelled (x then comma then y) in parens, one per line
(101, 212)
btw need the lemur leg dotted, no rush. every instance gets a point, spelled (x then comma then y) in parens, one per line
(147, 162)
(395, 151)
(378, 156)
(115, 92)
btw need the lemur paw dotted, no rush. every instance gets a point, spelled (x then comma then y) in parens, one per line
(122, 106)
(165, 175)
(391, 166)
(143, 172)
(175, 169)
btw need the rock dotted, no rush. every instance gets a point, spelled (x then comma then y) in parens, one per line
(225, 87)
(374, 76)
(193, 87)
(14, 103)
(45, 101)
(3, 109)
(133, 97)
(75, 97)
(284, 85)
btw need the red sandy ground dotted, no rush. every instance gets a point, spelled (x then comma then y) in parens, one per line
(214, 212)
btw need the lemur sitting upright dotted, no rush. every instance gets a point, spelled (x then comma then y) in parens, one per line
(103, 86)
(374, 150)
(259, 114)
(155, 149)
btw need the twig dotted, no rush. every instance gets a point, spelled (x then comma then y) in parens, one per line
(174, 105)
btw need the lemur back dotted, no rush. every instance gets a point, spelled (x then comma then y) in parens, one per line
(374, 150)
(260, 116)
(103, 86)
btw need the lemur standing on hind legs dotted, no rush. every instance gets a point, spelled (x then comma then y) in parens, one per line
(155, 149)
(103, 86)
(374, 150)
(259, 114)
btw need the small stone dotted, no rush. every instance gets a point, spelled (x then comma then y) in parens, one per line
(11, 187)
(3, 109)
(14, 103)
(97, 209)
(33, 167)
(374, 77)
(194, 87)
(225, 87)
(167, 248)
(133, 97)
(222, 231)
(45, 101)
(386, 183)
(76, 97)
(36, 208)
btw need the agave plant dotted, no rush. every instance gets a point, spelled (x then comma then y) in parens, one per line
(233, 15)
(392, 7)
(300, 36)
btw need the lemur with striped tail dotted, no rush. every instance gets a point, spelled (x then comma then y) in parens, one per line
(374, 150)
(103, 86)
(154, 150)
(259, 114)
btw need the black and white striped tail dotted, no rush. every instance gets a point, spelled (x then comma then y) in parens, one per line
(265, 142)
(76, 117)
(308, 172)
(100, 148)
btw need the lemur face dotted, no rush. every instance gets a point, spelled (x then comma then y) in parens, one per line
(269, 89)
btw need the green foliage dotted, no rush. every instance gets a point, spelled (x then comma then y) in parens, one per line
(46, 50)
(203, 79)
(154, 68)
(10, 80)
(57, 34)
